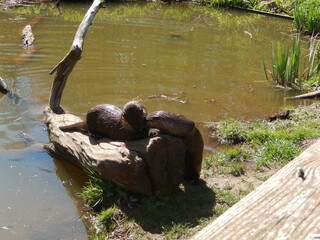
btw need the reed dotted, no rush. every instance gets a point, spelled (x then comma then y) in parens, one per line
(285, 65)
(307, 17)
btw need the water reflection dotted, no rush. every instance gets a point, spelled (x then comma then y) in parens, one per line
(33, 203)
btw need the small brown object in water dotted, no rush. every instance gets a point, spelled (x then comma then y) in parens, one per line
(109, 121)
(177, 125)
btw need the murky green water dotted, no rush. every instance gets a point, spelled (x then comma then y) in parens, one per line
(212, 71)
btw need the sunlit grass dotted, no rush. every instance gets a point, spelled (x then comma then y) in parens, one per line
(263, 143)
(228, 3)
(32, 9)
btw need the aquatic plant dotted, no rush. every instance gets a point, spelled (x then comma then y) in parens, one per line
(307, 17)
(287, 65)
(314, 66)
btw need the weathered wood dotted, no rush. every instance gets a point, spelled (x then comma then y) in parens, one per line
(27, 36)
(263, 12)
(3, 87)
(6, 91)
(286, 206)
(28, 41)
(66, 65)
(309, 95)
(143, 166)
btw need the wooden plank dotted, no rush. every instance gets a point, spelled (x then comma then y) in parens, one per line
(286, 206)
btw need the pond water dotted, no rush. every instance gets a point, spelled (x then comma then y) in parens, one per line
(206, 68)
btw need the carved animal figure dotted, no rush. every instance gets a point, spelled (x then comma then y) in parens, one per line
(177, 125)
(109, 121)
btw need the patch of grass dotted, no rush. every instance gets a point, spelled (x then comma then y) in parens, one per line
(169, 215)
(228, 161)
(172, 216)
(265, 143)
(276, 152)
(96, 189)
(226, 197)
(110, 218)
(32, 9)
(231, 132)
(236, 169)
(259, 177)
(228, 3)
(176, 231)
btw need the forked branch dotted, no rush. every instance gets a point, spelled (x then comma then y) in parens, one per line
(66, 65)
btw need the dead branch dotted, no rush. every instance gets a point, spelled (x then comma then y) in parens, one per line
(66, 65)
(309, 95)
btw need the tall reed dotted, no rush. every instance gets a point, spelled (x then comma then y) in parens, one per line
(314, 66)
(307, 17)
(286, 65)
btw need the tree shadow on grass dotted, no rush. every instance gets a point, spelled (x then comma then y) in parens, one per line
(185, 207)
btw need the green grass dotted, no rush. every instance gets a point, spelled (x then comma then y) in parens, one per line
(32, 9)
(228, 3)
(176, 231)
(266, 144)
(172, 216)
(109, 218)
(259, 177)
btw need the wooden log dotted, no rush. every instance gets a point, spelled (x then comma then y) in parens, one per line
(286, 206)
(143, 166)
(309, 95)
(285, 16)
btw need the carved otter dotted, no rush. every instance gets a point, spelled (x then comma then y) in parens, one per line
(177, 125)
(109, 121)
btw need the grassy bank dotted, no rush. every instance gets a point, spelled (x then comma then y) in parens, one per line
(250, 152)
(306, 13)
